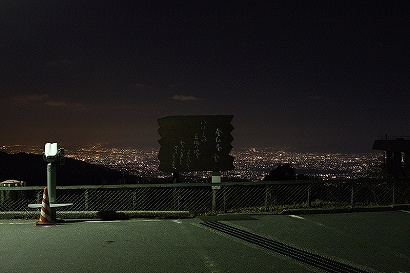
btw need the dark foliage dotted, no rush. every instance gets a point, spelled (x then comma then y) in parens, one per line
(32, 169)
(282, 172)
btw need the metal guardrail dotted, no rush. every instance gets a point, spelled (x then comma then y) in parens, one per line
(387, 137)
(203, 198)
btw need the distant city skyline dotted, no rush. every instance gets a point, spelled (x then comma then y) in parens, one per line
(250, 163)
(318, 76)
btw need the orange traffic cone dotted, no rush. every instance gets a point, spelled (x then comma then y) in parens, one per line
(45, 213)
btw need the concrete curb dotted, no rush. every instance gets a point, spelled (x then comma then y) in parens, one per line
(345, 210)
(104, 215)
(19, 215)
(118, 215)
(122, 215)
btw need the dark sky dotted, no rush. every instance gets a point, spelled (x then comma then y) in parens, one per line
(312, 75)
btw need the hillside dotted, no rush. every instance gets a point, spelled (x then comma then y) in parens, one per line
(33, 169)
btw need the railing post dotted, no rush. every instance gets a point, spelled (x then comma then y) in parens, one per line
(266, 198)
(309, 201)
(213, 200)
(2, 201)
(174, 198)
(174, 190)
(178, 198)
(224, 195)
(39, 197)
(352, 195)
(134, 199)
(394, 193)
(86, 199)
(216, 178)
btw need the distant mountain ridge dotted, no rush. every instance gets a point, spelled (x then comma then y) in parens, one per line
(32, 169)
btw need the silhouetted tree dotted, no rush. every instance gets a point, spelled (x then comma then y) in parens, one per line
(281, 172)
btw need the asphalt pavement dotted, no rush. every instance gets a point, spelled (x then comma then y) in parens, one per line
(371, 241)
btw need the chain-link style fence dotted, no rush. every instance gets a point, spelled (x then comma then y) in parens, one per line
(202, 198)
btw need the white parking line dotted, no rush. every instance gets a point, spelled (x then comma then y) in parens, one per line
(297, 217)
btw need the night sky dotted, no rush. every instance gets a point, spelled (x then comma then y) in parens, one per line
(328, 76)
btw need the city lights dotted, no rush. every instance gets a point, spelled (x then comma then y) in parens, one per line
(251, 164)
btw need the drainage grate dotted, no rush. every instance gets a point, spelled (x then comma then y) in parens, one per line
(315, 260)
